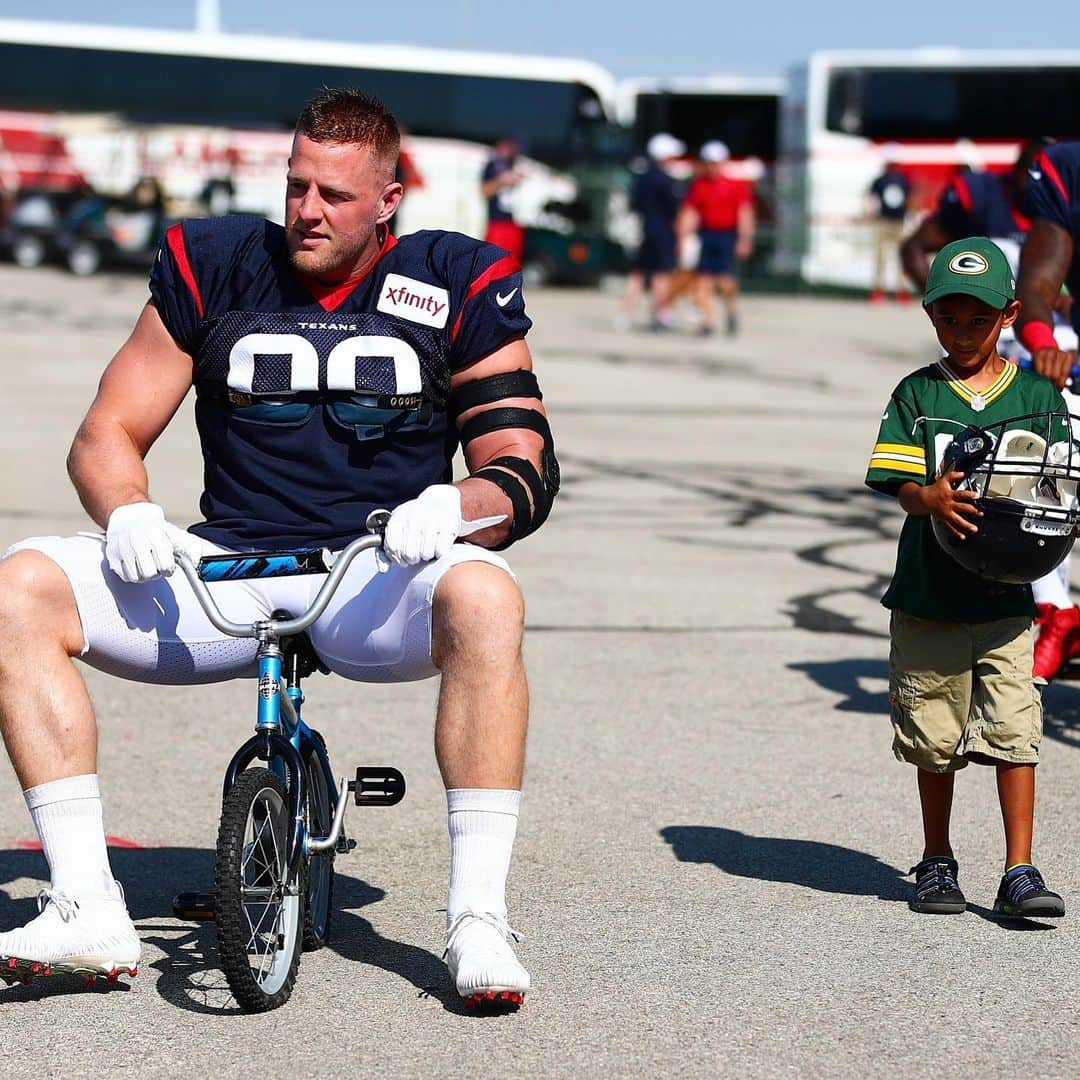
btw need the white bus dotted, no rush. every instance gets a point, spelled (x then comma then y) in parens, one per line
(932, 110)
(190, 108)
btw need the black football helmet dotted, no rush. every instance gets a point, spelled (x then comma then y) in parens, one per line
(1027, 492)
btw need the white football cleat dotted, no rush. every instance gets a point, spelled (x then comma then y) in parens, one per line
(91, 936)
(481, 961)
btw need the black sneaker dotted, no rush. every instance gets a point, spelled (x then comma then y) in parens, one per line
(1023, 894)
(936, 889)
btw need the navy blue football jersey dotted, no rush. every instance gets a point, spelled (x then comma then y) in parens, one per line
(982, 204)
(315, 406)
(500, 206)
(892, 190)
(1053, 192)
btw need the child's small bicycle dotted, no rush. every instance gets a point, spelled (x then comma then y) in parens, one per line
(281, 822)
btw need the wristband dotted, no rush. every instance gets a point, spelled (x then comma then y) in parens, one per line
(1037, 335)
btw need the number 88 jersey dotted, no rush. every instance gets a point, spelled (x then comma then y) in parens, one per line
(315, 405)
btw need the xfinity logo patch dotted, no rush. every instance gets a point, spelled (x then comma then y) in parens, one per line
(414, 300)
(968, 262)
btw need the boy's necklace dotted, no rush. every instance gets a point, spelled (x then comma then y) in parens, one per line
(978, 397)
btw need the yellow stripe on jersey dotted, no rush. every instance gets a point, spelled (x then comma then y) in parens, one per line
(1003, 384)
(895, 463)
(992, 393)
(899, 448)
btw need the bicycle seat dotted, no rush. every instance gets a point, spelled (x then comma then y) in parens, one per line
(300, 647)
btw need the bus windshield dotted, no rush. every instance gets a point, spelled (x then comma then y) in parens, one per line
(945, 103)
(555, 120)
(747, 123)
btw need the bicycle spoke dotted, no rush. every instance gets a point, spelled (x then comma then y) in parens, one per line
(261, 824)
(279, 862)
(258, 926)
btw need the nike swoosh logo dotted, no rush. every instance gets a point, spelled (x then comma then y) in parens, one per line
(501, 300)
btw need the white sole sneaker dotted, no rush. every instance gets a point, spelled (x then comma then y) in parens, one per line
(481, 961)
(93, 937)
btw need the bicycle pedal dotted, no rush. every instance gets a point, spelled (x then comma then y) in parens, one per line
(378, 785)
(193, 906)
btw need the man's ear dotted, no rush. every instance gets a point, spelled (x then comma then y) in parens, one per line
(1011, 313)
(389, 202)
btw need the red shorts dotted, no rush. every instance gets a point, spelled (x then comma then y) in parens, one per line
(508, 235)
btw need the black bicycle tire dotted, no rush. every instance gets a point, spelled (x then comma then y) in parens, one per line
(312, 939)
(229, 917)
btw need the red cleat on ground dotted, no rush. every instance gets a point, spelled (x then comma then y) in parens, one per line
(903, 297)
(1058, 640)
(877, 296)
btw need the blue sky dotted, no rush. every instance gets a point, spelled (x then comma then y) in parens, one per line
(687, 37)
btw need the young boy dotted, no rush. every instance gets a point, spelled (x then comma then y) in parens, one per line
(960, 663)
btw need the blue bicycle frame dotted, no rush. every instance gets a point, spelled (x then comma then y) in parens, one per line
(281, 738)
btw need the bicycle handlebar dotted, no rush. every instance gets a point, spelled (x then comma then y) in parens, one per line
(278, 627)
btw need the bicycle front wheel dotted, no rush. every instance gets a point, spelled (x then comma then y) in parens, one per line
(258, 911)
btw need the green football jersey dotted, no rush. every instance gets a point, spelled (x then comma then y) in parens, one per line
(925, 411)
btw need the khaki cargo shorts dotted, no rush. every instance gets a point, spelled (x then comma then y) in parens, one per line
(963, 692)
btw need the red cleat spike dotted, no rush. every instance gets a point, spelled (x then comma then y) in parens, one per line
(48, 970)
(490, 995)
(35, 969)
(133, 972)
(113, 975)
(90, 980)
(12, 963)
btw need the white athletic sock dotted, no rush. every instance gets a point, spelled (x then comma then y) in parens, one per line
(483, 823)
(68, 819)
(1054, 588)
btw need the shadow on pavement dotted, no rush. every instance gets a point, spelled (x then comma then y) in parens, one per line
(1061, 712)
(354, 938)
(845, 677)
(1061, 700)
(825, 867)
(189, 975)
(810, 863)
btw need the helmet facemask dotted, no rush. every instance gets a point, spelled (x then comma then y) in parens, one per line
(1027, 495)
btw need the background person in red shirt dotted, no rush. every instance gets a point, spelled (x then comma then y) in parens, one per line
(722, 211)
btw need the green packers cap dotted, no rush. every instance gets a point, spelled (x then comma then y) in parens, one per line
(975, 266)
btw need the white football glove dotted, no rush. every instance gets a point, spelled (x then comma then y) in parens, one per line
(140, 543)
(426, 527)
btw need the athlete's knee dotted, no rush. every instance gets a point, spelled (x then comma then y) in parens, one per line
(478, 607)
(35, 595)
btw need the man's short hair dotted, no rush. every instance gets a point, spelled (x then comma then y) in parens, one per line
(350, 116)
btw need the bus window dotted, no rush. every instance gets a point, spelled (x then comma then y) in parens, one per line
(947, 103)
(746, 122)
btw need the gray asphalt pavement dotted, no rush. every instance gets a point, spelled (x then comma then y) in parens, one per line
(710, 865)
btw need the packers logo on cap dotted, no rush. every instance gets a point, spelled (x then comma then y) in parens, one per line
(968, 262)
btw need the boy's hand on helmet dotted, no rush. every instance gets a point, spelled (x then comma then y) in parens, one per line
(954, 507)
